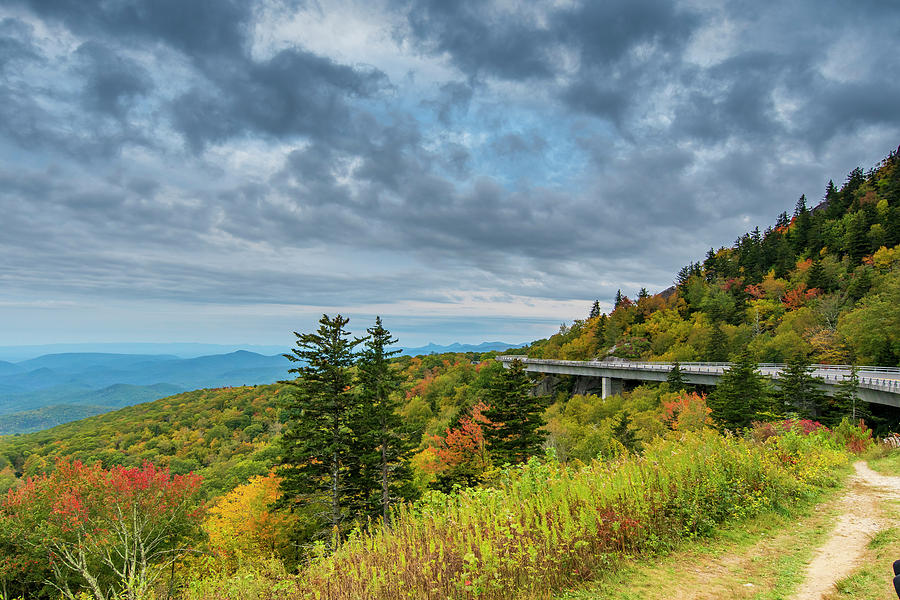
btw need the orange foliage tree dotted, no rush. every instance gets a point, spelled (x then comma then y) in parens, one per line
(462, 452)
(687, 412)
(799, 296)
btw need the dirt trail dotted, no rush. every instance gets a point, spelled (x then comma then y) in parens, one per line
(858, 522)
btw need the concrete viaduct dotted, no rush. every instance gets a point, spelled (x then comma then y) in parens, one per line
(879, 385)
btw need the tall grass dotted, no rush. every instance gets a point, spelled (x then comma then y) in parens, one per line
(546, 526)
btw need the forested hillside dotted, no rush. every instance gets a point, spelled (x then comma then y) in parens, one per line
(822, 283)
(220, 433)
(224, 434)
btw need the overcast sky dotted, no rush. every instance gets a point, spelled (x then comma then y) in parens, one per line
(226, 171)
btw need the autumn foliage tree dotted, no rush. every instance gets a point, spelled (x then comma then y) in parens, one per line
(463, 451)
(243, 526)
(688, 411)
(110, 533)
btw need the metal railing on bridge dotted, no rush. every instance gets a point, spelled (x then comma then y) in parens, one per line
(841, 372)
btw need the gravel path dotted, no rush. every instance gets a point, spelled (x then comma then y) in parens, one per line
(858, 522)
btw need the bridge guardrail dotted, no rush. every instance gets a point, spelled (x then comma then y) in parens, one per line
(654, 364)
(888, 385)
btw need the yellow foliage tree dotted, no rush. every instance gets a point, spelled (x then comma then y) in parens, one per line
(886, 259)
(242, 526)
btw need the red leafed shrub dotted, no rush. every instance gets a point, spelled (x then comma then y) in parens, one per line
(856, 437)
(764, 430)
(755, 291)
(105, 531)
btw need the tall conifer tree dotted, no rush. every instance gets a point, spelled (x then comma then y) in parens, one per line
(741, 396)
(674, 378)
(845, 402)
(799, 388)
(316, 441)
(516, 415)
(385, 443)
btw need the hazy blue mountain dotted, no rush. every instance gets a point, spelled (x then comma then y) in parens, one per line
(56, 388)
(179, 350)
(8, 368)
(120, 395)
(95, 371)
(57, 394)
(438, 349)
(78, 362)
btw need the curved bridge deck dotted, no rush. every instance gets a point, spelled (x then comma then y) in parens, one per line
(880, 385)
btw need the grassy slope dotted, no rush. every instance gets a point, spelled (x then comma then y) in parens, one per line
(769, 552)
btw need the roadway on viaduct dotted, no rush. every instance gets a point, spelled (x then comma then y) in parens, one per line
(880, 385)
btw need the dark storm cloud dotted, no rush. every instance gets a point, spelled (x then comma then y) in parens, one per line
(293, 93)
(481, 41)
(201, 28)
(565, 149)
(516, 143)
(453, 101)
(111, 82)
(484, 41)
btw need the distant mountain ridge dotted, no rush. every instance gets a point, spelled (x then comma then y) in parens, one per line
(456, 347)
(57, 388)
(60, 387)
(176, 350)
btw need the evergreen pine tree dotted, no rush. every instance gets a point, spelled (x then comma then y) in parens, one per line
(595, 310)
(834, 204)
(384, 442)
(741, 396)
(799, 388)
(800, 231)
(717, 347)
(624, 433)
(618, 299)
(860, 283)
(710, 264)
(800, 208)
(315, 448)
(816, 277)
(516, 414)
(600, 332)
(856, 240)
(674, 378)
(846, 402)
(782, 220)
(643, 294)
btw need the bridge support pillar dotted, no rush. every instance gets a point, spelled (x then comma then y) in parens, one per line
(610, 387)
